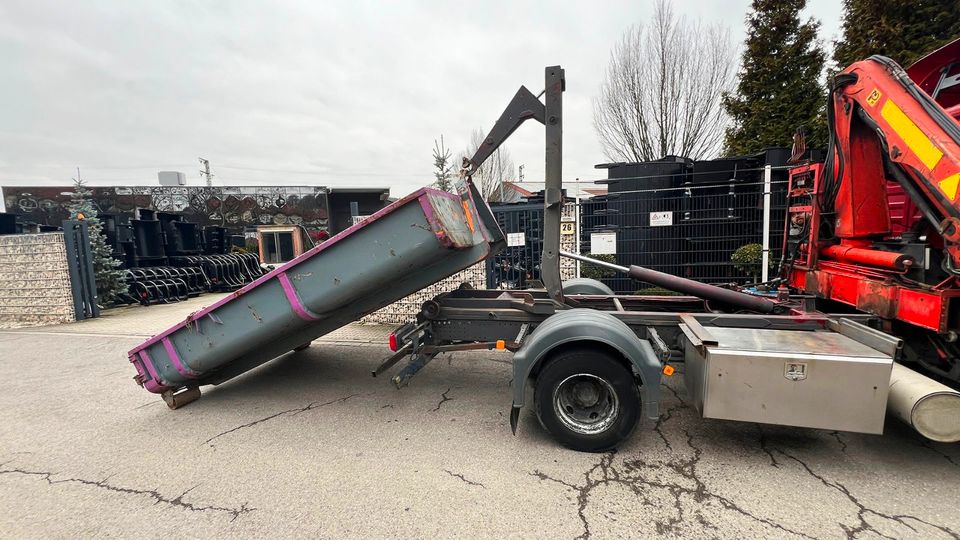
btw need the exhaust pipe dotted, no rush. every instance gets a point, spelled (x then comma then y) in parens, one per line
(686, 286)
(926, 405)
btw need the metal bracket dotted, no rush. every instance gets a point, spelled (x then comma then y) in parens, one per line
(875, 339)
(705, 337)
(418, 362)
(658, 344)
(392, 360)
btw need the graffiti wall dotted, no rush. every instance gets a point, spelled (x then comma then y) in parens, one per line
(232, 207)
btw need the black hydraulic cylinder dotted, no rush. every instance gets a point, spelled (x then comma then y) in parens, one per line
(686, 286)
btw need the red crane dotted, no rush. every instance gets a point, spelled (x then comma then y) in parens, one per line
(876, 226)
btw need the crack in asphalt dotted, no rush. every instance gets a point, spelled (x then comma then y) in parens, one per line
(583, 492)
(863, 510)
(667, 416)
(633, 475)
(929, 446)
(767, 450)
(157, 497)
(294, 411)
(461, 477)
(443, 400)
(843, 445)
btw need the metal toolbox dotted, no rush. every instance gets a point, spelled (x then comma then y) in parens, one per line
(823, 380)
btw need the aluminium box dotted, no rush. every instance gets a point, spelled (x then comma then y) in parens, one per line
(822, 380)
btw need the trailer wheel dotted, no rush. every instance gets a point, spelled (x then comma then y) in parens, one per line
(587, 400)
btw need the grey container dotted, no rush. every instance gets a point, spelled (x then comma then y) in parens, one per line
(412, 243)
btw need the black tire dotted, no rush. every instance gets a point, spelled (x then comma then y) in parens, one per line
(573, 379)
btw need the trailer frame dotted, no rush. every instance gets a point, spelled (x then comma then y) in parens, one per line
(639, 339)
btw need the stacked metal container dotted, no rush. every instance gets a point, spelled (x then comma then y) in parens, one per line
(688, 217)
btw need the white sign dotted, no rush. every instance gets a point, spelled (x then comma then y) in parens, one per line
(358, 219)
(661, 219)
(603, 243)
(568, 226)
(516, 239)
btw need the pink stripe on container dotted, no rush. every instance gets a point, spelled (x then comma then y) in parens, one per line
(175, 360)
(154, 385)
(296, 303)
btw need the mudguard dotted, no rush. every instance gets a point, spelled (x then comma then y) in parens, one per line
(586, 286)
(586, 325)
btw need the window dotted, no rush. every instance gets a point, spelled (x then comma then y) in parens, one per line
(277, 247)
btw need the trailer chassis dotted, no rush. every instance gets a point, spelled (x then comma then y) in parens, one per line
(596, 359)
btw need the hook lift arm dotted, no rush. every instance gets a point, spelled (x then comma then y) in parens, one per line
(523, 107)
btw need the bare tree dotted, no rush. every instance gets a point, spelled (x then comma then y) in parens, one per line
(443, 167)
(663, 87)
(495, 171)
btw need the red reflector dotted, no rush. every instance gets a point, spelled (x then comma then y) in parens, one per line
(393, 342)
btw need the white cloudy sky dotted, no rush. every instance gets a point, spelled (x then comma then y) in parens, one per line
(346, 93)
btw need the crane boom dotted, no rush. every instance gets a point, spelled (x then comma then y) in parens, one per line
(877, 225)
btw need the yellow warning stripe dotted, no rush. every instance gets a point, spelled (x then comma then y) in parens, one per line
(919, 144)
(949, 186)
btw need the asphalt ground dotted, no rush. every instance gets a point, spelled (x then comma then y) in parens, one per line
(310, 445)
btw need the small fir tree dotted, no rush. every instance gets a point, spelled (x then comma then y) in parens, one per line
(107, 272)
(779, 88)
(443, 169)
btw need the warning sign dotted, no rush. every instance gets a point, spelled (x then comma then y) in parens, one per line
(661, 219)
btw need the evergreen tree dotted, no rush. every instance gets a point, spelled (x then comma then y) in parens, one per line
(107, 273)
(443, 169)
(901, 30)
(779, 88)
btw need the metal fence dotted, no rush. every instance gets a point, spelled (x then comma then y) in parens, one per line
(690, 231)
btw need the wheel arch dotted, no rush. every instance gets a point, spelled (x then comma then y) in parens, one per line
(583, 344)
(591, 328)
(586, 286)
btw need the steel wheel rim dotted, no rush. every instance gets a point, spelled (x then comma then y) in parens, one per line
(586, 404)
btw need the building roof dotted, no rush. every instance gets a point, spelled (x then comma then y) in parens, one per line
(582, 190)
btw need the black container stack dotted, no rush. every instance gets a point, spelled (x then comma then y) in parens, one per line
(635, 191)
(705, 210)
(215, 241)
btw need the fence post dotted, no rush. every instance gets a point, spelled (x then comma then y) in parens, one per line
(765, 261)
(86, 268)
(76, 287)
(576, 224)
(83, 285)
